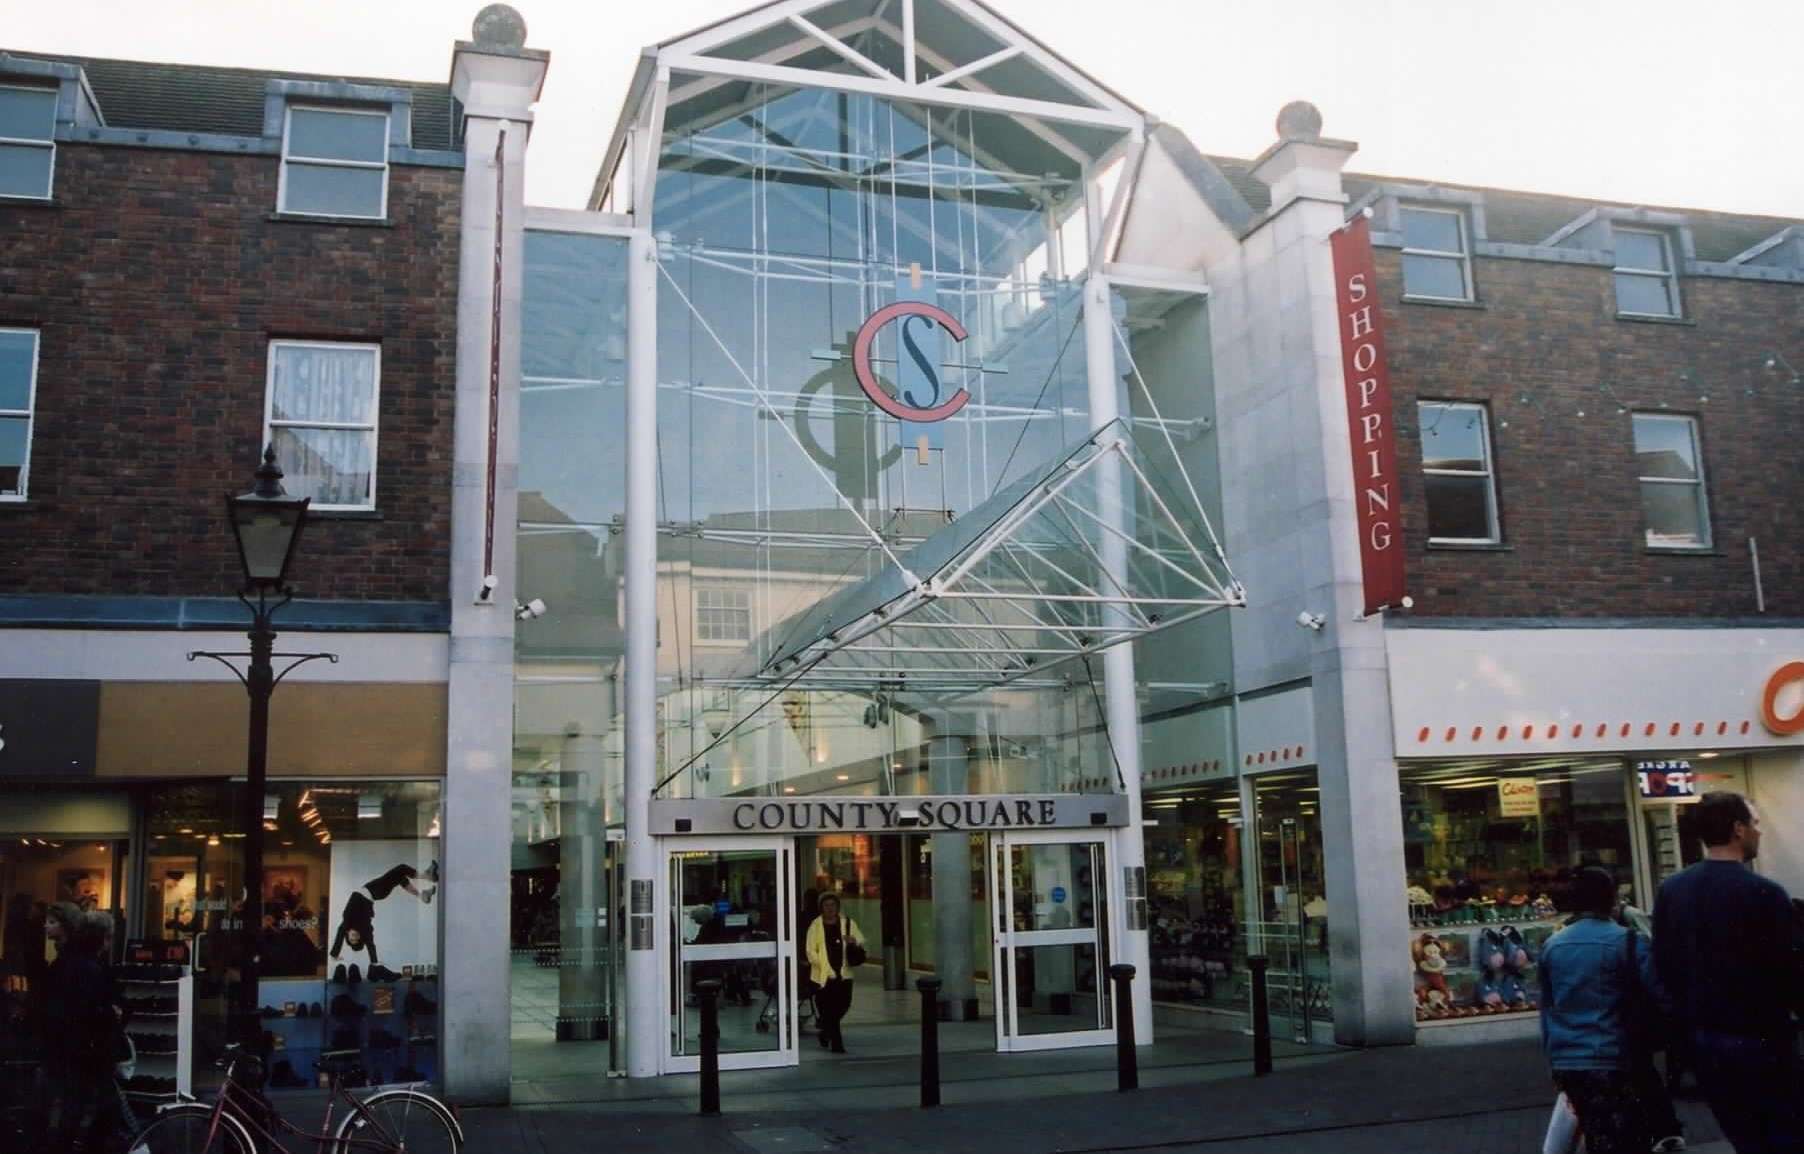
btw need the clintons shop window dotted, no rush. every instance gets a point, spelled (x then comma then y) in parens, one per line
(1490, 848)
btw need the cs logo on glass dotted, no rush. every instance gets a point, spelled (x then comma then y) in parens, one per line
(906, 405)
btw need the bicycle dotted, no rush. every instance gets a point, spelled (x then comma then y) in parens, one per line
(400, 1120)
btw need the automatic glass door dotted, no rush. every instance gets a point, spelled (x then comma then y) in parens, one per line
(730, 908)
(1051, 942)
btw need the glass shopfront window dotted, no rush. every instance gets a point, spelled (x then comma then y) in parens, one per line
(1490, 850)
(349, 942)
(1196, 899)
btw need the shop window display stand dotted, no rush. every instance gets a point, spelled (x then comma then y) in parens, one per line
(161, 1026)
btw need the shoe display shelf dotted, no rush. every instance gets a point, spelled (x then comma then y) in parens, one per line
(391, 1025)
(297, 1039)
(162, 1030)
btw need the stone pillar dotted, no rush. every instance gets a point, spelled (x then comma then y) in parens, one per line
(1362, 826)
(947, 771)
(581, 993)
(497, 80)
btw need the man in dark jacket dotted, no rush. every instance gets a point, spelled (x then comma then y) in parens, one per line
(1725, 945)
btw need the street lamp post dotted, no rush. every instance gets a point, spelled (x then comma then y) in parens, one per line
(266, 525)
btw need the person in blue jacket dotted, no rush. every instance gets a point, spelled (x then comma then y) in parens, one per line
(1598, 990)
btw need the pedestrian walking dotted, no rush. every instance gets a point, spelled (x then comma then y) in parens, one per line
(835, 951)
(1726, 942)
(78, 1030)
(1598, 990)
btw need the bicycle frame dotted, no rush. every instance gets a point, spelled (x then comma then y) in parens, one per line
(247, 1105)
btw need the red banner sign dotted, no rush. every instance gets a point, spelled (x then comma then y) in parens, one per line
(1370, 418)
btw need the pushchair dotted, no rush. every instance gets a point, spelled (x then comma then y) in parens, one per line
(767, 981)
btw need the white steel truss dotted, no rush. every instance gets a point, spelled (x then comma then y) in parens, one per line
(981, 62)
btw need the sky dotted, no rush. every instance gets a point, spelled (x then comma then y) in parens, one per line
(1689, 104)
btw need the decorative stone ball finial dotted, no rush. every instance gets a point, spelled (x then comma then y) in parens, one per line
(499, 26)
(1299, 120)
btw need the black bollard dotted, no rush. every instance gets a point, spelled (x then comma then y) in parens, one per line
(707, 992)
(1127, 1059)
(1262, 1018)
(930, 1040)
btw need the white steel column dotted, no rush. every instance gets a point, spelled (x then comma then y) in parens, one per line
(644, 1025)
(1121, 710)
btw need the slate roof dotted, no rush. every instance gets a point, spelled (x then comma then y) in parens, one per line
(1514, 217)
(203, 98)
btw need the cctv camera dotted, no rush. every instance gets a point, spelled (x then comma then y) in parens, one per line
(1308, 620)
(536, 607)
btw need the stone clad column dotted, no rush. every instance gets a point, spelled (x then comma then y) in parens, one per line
(582, 942)
(948, 770)
(1362, 823)
(497, 79)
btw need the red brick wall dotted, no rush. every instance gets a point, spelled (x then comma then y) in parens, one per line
(157, 283)
(1569, 503)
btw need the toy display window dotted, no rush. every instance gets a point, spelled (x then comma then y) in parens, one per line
(1490, 849)
(1196, 899)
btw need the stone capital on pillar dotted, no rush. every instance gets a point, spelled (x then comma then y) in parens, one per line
(1303, 164)
(495, 75)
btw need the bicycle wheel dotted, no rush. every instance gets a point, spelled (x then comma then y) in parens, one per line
(190, 1129)
(400, 1122)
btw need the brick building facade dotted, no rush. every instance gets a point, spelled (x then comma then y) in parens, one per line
(196, 262)
(1544, 350)
(157, 278)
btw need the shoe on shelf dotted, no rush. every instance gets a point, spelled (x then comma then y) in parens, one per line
(1670, 1144)
(345, 1006)
(432, 870)
(316, 1011)
(419, 1004)
(269, 1012)
(379, 973)
(381, 1039)
(338, 972)
(356, 975)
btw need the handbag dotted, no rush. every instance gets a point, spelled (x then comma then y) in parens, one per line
(855, 953)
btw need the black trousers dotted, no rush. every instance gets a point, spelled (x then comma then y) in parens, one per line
(1752, 1087)
(1610, 1112)
(831, 1003)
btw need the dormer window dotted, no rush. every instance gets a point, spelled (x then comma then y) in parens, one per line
(27, 141)
(335, 162)
(1436, 258)
(1645, 282)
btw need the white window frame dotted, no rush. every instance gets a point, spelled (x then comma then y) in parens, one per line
(1489, 472)
(48, 142)
(332, 162)
(1706, 538)
(29, 412)
(729, 592)
(1669, 276)
(1464, 254)
(373, 428)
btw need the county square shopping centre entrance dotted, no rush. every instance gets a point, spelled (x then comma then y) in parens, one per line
(874, 507)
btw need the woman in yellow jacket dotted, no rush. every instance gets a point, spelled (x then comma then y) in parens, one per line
(835, 949)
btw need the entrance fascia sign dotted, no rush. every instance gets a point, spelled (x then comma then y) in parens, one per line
(1666, 779)
(928, 814)
(906, 405)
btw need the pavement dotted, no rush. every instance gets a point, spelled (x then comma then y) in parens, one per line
(1197, 1094)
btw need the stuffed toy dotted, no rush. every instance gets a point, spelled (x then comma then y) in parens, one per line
(1515, 953)
(1493, 952)
(1490, 999)
(1432, 967)
(1514, 997)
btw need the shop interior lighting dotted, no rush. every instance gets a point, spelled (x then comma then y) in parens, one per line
(214, 840)
(272, 807)
(369, 806)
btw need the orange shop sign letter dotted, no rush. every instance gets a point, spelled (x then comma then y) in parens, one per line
(1791, 673)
